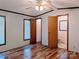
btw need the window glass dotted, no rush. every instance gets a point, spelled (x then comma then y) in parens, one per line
(27, 30)
(2, 32)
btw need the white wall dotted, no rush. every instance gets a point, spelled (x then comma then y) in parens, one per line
(38, 30)
(74, 30)
(14, 31)
(73, 27)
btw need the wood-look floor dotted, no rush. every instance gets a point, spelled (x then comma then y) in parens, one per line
(38, 51)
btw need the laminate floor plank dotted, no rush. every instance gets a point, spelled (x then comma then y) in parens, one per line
(38, 51)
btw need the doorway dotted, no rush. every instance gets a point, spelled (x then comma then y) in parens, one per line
(63, 31)
(58, 31)
(33, 30)
(39, 30)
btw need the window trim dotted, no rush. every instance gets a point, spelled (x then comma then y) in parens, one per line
(4, 30)
(24, 29)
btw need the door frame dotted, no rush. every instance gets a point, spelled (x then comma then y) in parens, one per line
(67, 29)
(41, 29)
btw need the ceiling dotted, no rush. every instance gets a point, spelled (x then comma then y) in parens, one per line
(27, 6)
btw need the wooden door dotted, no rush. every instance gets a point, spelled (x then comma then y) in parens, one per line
(33, 31)
(52, 31)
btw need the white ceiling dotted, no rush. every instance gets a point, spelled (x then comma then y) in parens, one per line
(27, 6)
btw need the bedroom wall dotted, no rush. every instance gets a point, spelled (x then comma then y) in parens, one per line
(73, 27)
(14, 31)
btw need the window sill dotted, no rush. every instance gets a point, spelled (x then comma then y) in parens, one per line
(26, 39)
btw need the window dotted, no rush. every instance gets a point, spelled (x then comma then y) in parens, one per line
(26, 29)
(2, 30)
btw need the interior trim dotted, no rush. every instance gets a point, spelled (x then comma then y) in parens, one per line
(58, 9)
(16, 12)
(68, 8)
(39, 14)
(14, 49)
